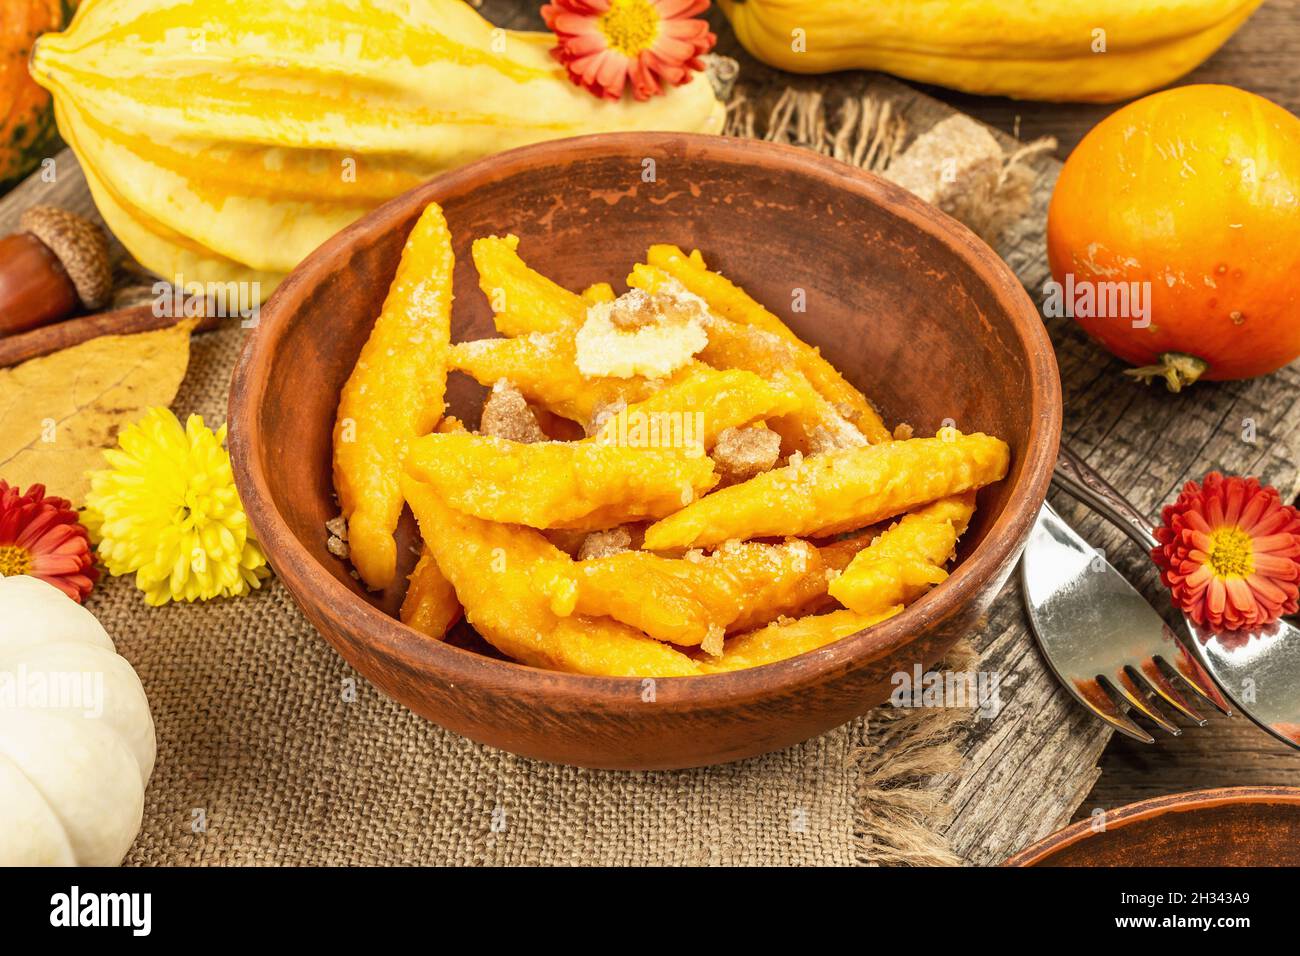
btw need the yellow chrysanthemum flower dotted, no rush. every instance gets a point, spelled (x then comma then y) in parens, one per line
(168, 510)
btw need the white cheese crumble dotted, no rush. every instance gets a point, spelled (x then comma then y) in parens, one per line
(641, 334)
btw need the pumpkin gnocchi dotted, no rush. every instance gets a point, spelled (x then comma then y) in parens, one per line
(722, 502)
(394, 394)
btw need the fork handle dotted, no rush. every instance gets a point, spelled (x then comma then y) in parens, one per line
(1078, 479)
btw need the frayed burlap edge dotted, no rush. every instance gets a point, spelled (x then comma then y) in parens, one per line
(866, 131)
(1013, 194)
(898, 814)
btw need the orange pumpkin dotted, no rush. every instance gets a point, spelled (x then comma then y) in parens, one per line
(1196, 191)
(27, 133)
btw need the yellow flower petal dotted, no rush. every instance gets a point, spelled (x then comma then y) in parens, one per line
(167, 510)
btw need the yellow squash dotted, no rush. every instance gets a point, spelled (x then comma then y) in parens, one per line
(1072, 50)
(225, 139)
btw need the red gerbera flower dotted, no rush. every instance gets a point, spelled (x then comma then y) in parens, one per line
(42, 537)
(1230, 553)
(603, 43)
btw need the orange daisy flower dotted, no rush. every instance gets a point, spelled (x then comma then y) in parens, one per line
(42, 537)
(1229, 553)
(653, 43)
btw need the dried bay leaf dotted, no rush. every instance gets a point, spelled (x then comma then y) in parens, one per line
(59, 412)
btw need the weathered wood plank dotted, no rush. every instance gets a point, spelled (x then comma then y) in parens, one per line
(1230, 752)
(67, 188)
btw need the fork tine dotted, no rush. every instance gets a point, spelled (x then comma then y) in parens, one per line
(1157, 681)
(1190, 670)
(1094, 695)
(1127, 685)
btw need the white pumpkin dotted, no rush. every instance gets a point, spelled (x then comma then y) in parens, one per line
(76, 737)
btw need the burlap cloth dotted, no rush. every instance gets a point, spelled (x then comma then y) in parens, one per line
(263, 759)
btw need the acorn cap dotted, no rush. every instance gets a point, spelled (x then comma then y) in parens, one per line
(81, 247)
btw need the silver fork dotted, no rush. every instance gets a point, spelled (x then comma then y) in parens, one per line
(1104, 641)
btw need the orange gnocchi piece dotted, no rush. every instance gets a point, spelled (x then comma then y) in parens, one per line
(394, 394)
(907, 560)
(836, 492)
(430, 605)
(785, 639)
(581, 485)
(732, 302)
(522, 299)
(512, 582)
(696, 408)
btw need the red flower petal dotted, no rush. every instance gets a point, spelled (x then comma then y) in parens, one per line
(670, 57)
(577, 24)
(672, 9)
(56, 544)
(1276, 569)
(1229, 552)
(1267, 590)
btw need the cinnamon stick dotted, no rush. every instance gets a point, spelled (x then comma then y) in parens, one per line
(62, 335)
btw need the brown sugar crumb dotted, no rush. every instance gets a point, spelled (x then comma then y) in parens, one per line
(602, 544)
(902, 431)
(834, 434)
(742, 453)
(338, 527)
(820, 441)
(337, 544)
(637, 309)
(633, 311)
(506, 415)
(568, 540)
(712, 643)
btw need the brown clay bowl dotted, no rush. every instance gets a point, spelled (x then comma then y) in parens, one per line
(1229, 826)
(906, 302)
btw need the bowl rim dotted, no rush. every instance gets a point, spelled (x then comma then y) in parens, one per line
(1042, 851)
(401, 645)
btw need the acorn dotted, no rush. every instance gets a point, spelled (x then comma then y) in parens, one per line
(56, 266)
